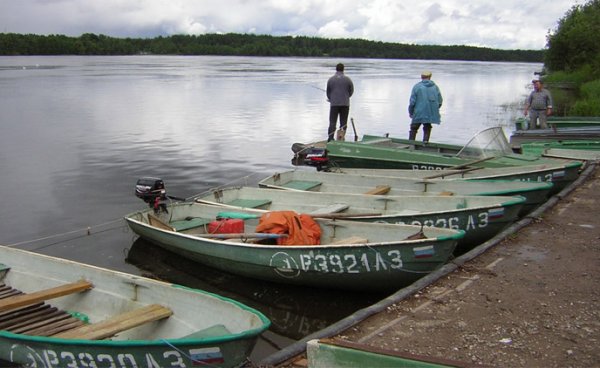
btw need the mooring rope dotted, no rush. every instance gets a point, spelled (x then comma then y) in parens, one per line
(87, 231)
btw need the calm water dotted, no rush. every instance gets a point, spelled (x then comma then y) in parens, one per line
(77, 132)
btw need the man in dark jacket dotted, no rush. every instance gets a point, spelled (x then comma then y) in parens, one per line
(424, 106)
(339, 91)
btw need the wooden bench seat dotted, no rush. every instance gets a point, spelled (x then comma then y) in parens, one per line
(379, 190)
(21, 300)
(37, 319)
(301, 184)
(114, 325)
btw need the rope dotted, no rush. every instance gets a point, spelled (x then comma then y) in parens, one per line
(87, 232)
(210, 190)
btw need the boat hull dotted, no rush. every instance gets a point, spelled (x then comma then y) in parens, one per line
(535, 194)
(32, 353)
(559, 175)
(396, 153)
(183, 339)
(330, 353)
(480, 217)
(373, 266)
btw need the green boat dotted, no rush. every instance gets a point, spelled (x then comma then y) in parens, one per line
(563, 122)
(585, 150)
(336, 353)
(351, 255)
(560, 175)
(488, 148)
(480, 217)
(60, 313)
(535, 194)
(520, 137)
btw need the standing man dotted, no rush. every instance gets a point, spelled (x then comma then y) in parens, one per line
(424, 106)
(540, 104)
(339, 91)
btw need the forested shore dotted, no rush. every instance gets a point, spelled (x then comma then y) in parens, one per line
(250, 45)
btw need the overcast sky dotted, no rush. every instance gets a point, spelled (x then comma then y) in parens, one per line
(504, 24)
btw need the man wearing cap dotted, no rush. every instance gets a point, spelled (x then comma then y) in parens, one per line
(339, 90)
(538, 105)
(424, 106)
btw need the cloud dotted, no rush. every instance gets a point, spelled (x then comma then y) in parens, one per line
(490, 23)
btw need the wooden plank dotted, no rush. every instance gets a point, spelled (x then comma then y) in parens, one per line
(16, 313)
(56, 327)
(119, 323)
(380, 189)
(9, 293)
(38, 296)
(41, 321)
(24, 318)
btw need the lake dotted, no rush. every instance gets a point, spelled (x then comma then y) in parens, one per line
(78, 131)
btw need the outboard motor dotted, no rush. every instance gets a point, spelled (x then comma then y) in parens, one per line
(317, 157)
(152, 191)
(307, 155)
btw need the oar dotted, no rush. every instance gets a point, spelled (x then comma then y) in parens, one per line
(325, 215)
(452, 173)
(242, 236)
(469, 163)
(344, 215)
(354, 128)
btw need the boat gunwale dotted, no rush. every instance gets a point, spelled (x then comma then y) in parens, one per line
(265, 323)
(452, 234)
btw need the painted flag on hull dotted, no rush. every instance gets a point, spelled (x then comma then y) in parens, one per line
(424, 252)
(495, 213)
(206, 356)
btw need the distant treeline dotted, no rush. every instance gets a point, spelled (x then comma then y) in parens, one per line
(249, 45)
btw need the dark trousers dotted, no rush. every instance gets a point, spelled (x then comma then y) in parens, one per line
(414, 127)
(334, 112)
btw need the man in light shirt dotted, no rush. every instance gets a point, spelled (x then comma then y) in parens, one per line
(538, 106)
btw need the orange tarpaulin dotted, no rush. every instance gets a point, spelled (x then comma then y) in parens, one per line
(301, 229)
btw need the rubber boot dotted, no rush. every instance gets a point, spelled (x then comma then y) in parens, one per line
(426, 133)
(412, 134)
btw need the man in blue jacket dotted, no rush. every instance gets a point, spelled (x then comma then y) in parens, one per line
(339, 90)
(424, 106)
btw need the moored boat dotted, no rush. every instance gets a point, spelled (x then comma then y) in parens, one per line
(488, 148)
(347, 255)
(336, 353)
(560, 175)
(304, 180)
(481, 217)
(521, 137)
(584, 150)
(61, 313)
